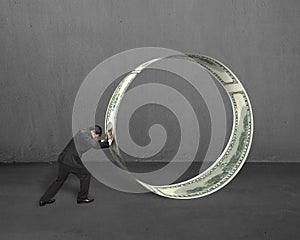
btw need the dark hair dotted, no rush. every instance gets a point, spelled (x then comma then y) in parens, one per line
(97, 129)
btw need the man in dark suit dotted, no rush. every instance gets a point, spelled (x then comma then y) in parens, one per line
(69, 162)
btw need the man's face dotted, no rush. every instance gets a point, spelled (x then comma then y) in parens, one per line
(94, 135)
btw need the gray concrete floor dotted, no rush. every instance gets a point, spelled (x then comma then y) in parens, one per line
(262, 202)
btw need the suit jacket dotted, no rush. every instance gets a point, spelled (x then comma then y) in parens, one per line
(71, 155)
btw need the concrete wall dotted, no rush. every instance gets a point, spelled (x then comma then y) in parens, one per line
(47, 48)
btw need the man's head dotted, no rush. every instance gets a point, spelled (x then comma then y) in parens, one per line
(96, 131)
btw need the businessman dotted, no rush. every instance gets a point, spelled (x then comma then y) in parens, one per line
(69, 162)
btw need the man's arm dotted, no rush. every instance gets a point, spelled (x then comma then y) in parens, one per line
(104, 144)
(86, 137)
(96, 143)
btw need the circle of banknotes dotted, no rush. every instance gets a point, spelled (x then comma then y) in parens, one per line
(234, 155)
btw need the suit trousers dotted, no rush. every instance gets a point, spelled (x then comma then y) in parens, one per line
(63, 173)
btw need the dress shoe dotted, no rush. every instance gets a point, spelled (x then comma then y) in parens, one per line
(43, 203)
(87, 200)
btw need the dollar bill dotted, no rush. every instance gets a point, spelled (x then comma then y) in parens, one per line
(234, 154)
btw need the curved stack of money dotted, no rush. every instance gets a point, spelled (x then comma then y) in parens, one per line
(234, 155)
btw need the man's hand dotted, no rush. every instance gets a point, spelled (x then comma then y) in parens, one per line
(106, 136)
(112, 137)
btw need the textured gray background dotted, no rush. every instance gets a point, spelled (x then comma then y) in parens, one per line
(48, 47)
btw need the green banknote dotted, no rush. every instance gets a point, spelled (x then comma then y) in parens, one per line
(225, 168)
